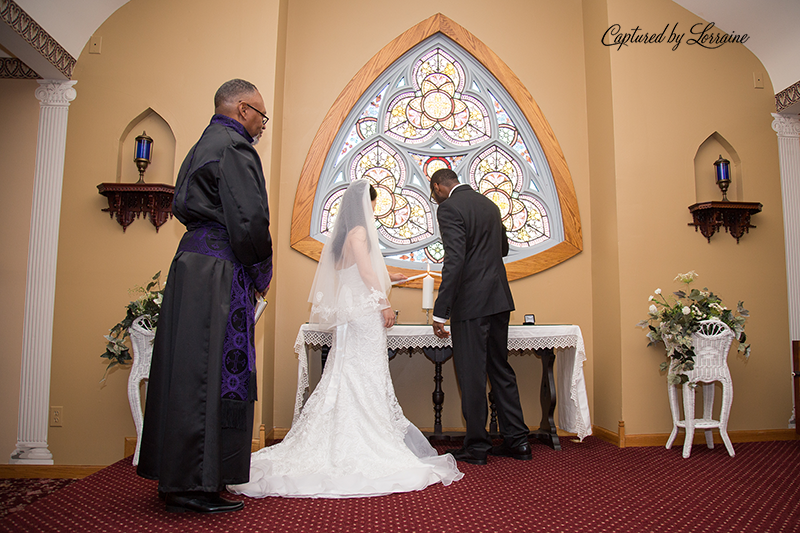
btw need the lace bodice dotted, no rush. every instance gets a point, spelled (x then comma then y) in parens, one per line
(354, 299)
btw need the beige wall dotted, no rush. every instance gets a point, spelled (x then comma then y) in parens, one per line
(20, 111)
(629, 122)
(665, 106)
(600, 222)
(180, 70)
(308, 100)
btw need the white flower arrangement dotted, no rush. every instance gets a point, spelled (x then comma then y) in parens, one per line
(673, 322)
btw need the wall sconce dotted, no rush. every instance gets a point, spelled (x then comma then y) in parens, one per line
(143, 154)
(733, 216)
(722, 168)
(128, 201)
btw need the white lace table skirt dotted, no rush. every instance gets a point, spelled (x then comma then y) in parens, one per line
(565, 340)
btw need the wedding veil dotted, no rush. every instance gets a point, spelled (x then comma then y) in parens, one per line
(351, 278)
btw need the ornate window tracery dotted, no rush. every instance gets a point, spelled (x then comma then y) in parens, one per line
(437, 106)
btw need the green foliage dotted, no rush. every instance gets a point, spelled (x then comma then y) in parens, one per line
(148, 304)
(672, 321)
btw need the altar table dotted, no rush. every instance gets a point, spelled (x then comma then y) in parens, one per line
(546, 341)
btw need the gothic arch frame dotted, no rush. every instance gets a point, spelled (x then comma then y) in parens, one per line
(312, 167)
(166, 146)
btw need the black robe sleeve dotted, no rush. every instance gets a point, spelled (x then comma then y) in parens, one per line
(243, 195)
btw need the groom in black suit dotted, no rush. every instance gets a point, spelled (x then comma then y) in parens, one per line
(475, 296)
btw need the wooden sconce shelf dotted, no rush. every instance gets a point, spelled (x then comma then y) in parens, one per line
(733, 216)
(127, 201)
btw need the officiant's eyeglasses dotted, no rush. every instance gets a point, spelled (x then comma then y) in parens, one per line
(263, 120)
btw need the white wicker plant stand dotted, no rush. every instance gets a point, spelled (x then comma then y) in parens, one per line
(711, 344)
(142, 343)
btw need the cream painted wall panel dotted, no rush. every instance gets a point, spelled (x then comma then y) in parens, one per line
(171, 57)
(20, 111)
(603, 237)
(315, 75)
(666, 103)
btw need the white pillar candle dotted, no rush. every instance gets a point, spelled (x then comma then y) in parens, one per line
(427, 292)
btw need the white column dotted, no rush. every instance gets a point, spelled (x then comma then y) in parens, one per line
(37, 338)
(788, 130)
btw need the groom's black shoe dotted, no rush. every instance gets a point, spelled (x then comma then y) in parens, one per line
(462, 454)
(200, 502)
(521, 452)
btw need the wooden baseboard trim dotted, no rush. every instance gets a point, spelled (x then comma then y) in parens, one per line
(618, 438)
(606, 435)
(280, 433)
(657, 439)
(262, 436)
(130, 446)
(48, 471)
(277, 433)
(660, 439)
(759, 435)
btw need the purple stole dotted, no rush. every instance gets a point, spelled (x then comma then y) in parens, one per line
(239, 354)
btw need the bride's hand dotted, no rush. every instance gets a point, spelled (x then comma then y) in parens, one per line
(397, 276)
(388, 317)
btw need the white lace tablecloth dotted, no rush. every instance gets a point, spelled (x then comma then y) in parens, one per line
(566, 341)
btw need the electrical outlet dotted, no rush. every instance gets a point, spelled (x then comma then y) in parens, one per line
(758, 80)
(56, 416)
(95, 44)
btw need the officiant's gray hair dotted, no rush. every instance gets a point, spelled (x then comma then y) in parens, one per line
(230, 92)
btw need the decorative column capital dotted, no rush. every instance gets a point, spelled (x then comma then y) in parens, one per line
(56, 92)
(786, 125)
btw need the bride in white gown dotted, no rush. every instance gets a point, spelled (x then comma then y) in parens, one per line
(351, 438)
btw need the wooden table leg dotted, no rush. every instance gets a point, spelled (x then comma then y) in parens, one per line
(547, 431)
(438, 400)
(323, 358)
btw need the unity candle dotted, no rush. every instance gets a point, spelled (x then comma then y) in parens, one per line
(427, 291)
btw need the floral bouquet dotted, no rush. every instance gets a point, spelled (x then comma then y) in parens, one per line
(148, 304)
(673, 320)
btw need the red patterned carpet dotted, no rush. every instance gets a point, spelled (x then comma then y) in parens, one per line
(587, 487)
(16, 494)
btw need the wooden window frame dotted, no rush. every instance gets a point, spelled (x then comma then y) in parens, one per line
(572, 244)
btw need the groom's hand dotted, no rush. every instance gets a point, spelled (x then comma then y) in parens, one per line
(439, 331)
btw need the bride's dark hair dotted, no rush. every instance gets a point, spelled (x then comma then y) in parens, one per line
(351, 214)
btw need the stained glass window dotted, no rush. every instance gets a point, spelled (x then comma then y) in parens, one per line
(437, 107)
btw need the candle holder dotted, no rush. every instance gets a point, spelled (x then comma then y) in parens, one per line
(722, 169)
(143, 154)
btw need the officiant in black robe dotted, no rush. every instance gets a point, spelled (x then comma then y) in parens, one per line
(198, 421)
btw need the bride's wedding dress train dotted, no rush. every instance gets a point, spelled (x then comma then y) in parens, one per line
(351, 438)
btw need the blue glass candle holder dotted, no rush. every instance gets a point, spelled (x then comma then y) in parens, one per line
(143, 154)
(722, 168)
